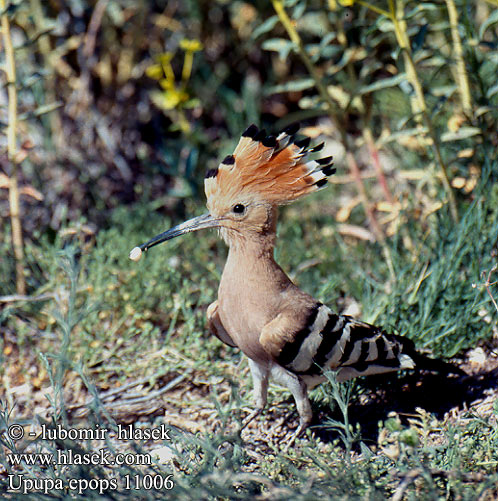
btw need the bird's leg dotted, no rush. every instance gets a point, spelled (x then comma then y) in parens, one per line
(300, 393)
(260, 374)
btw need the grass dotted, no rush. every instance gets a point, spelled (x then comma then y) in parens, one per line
(109, 321)
(101, 340)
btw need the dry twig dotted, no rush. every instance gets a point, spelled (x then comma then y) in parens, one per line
(10, 71)
(410, 476)
(487, 284)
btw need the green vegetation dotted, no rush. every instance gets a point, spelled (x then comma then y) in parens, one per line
(120, 109)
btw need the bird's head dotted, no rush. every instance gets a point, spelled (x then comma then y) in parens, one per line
(245, 189)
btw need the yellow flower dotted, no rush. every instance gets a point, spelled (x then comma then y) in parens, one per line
(167, 84)
(164, 63)
(191, 45)
(155, 71)
(164, 57)
(170, 99)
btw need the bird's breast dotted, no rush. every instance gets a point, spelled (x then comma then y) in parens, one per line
(244, 312)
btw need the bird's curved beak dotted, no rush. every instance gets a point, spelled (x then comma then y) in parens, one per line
(194, 224)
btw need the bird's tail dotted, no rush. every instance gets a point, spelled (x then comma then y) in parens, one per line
(424, 362)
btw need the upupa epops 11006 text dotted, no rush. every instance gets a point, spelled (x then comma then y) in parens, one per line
(285, 333)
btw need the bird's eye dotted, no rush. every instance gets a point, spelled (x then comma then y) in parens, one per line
(238, 208)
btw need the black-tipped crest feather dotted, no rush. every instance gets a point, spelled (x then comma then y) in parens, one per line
(291, 129)
(324, 161)
(251, 131)
(260, 135)
(304, 143)
(228, 160)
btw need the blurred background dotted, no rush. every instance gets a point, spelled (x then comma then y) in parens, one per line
(113, 110)
(118, 101)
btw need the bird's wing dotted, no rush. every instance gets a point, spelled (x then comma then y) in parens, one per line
(216, 327)
(321, 339)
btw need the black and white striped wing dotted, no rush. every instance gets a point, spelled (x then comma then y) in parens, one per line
(339, 342)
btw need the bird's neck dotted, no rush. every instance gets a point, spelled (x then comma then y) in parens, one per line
(251, 263)
(252, 251)
(252, 281)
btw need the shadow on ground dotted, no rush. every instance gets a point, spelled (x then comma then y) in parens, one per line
(435, 393)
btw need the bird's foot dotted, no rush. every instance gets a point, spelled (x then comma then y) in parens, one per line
(252, 415)
(300, 430)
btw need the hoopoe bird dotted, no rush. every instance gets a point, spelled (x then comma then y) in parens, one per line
(285, 333)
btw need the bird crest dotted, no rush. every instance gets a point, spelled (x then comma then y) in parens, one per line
(263, 170)
(276, 169)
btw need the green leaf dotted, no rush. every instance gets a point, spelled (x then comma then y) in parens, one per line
(324, 49)
(365, 451)
(440, 26)
(395, 136)
(34, 38)
(492, 91)
(385, 25)
(192, 103)
(384, 83)
(444, 90)
(292, 86)
(409, 437)
(327, 39)
(482, 110)
(311, 103)
(350, 55)
(492, 19)
(393, 425)
(41, 110)
(267, 26)
(421, 7)
(428, 59)
(463, 133)
(314, 23)
(299, 10)
(30, 80)
(280, 45)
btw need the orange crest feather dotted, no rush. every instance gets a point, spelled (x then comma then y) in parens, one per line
(276, 169)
